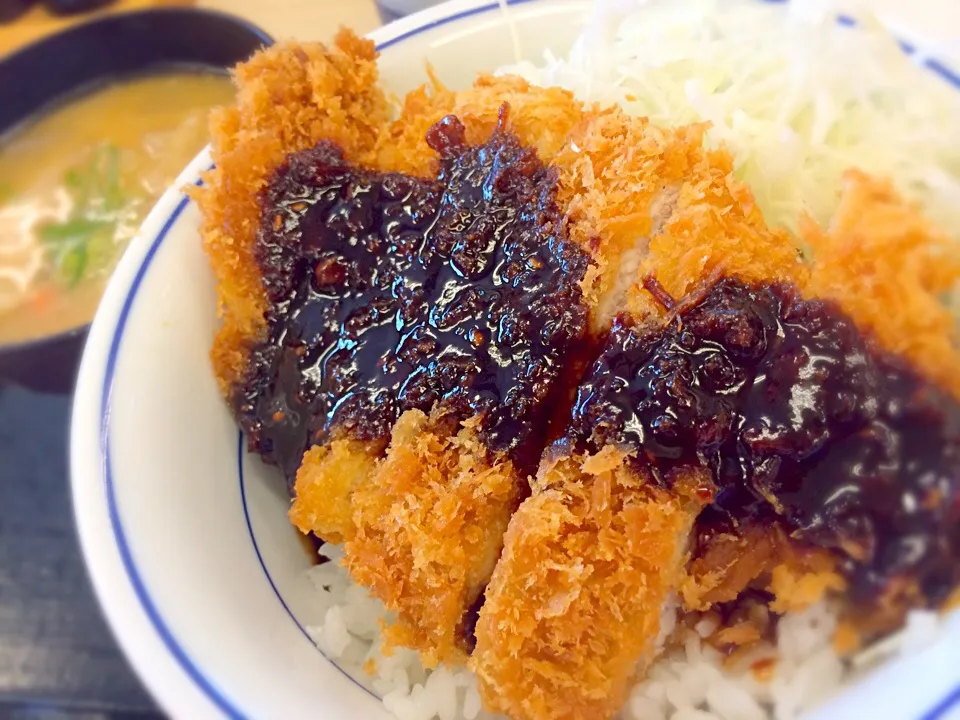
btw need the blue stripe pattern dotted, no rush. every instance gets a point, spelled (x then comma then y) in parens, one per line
(263, 566)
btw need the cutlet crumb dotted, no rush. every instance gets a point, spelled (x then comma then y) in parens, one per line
(803, 579)
(743, 633)
(952, 602)
(325, 483)
(847, 639)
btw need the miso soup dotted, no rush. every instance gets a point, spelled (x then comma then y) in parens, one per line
(76, 183)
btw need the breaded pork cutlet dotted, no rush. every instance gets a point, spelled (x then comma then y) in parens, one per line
(592, 558)
(806, 437)
(442, 303)
(573, 611)
(421, 507)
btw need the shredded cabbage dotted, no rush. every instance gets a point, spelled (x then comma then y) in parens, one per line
(796, 96)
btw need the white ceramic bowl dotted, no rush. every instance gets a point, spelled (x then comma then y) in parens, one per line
(186, 536)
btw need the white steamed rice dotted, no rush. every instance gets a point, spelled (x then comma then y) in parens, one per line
(687, 683)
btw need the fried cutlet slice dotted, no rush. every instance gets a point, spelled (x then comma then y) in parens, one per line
(433, 312)
(573, 610)
(422, 527)
(889, 269)
(429, 528)
(289, 97)
(568, 620)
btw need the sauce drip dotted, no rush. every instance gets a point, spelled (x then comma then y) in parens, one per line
(797, 415)
(389, 293)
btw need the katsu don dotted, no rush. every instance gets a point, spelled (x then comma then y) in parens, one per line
(546, 374)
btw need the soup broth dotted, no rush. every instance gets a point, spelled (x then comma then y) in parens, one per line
(75, 185)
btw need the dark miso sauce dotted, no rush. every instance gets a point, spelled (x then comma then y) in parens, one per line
(389, 293)
(797, 415)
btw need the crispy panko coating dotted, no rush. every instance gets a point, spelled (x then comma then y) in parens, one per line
(803, 577)
(289, 97)
(574, 605)
(422, 527)
(429, 530)
(888, 267)
(716, 228)
(542, 118)
(618, 182)
(325, 483)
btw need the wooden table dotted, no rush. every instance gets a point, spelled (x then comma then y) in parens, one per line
(57, 657)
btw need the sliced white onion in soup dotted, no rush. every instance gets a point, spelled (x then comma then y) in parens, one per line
(21, 253)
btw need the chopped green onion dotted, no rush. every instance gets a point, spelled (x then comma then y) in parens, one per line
(72, 264)
(86, 238)
(75, 230)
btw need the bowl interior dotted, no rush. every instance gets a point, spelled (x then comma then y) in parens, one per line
(126, 44)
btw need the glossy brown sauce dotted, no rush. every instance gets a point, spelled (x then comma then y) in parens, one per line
(389, 293)
(797, 415)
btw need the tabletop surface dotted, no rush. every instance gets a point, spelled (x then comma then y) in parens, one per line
(57, 657)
